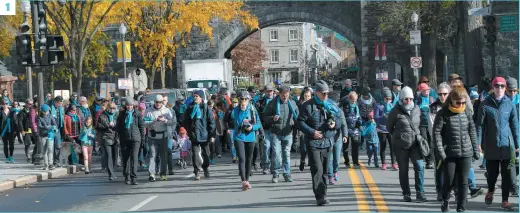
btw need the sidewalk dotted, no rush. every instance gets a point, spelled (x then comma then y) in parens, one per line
(22, 173)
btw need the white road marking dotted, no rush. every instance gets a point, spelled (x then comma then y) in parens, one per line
(189, 176)
(141, 204)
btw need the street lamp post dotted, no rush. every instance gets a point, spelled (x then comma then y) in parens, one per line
(122, 31)
(415, 19)
(379, 34)
(25, 27)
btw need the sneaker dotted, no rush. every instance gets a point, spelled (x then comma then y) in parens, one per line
(255, 167)
(302, 166)
(429, 166)
(445, 206)
(383, 167)
(164, 178)
(134, 182)
(206, 173)
(171, 171)
(483, 167)
(395, 167)
(336, 176)
(322, 202)
(7, 160)
(51, 167)
(507, 206)
(406, 198)
(151, 178)
(356, 166)
(234, 160)
(275, 179)
(514, 191)
(288, 178)
(265, 171)
(244, 185)
(476, 192)
(489, 198)
(12, 159)
(331, 181)
(369, 162)
(45, 168)
(197, 177)
(219, 156)
(127, 181)
(348, 165)
(249, 185)
(376, 165)
(420, 198)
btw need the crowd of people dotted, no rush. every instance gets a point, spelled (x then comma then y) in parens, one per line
(447, 130)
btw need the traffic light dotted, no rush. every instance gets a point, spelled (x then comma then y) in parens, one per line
(54, 53)
(42, 26)
(24, 54)
(491, 29)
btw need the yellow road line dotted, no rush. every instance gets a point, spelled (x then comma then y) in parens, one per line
(374, 190)
(358, 191)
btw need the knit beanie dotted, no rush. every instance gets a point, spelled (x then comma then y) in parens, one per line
(512, 83)
(406, 92)
(386, 92)
(473, 94)
(45, 108)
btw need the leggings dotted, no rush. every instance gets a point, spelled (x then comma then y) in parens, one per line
(245, 156)
(8, 145)
(384, 140)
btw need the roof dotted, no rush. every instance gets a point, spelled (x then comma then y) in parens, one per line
(334, 54)
(3, 70)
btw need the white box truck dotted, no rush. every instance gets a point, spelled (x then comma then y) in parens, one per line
(212, 74)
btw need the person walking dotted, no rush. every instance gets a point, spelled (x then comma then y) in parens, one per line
(7, 131)
(159, 122)
(245, 123)
(497, 132)
(106, 127)
(26, 129)
(381, 112)
(47, 129)
(423, 101)
(87, 138)
(340, 138)
(200, 125)
(403, 124)
(351, 111)
(305, 96)
(72, 128)
(130, 126)
(265, 147)
(317, 121)
(455, 139)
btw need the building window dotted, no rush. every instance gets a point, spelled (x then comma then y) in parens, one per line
(273, 35)
(293, 55)
(293, 35)
(275, 56)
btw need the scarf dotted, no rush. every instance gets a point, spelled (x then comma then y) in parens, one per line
(369, 127)
(388, 107)
(16, 110)
(267, 100)
(457, 110)
(196, 112)
(367, 102)
(73, 116)
(220, 115)
(7, 100)
(356, 108)
(55, 112)
(182, 108)
(85, 111)
(425, 106)
(408, 107)
(291, 108)
(110, 116)
(7, 127)
(84, 133)
(396, 98)
(129, 119)
(516, 99)
(325, 104)
(74, 102)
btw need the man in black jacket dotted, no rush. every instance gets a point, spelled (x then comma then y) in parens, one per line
(24, 125)
(130, 126)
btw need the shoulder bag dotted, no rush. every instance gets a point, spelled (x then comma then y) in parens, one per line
(424, 147)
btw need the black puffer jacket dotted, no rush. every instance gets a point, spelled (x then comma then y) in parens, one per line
(403, 137)
(455, 135)
(108, 134)
(136, 131)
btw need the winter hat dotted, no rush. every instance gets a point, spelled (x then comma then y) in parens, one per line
(244, 94)
(200, 93)
(58, 98)
(82, 98)
(422, 87)
(406, 92)
(142, 106)
(473, 95)
(386, 92)
(497, 80)
(45, 108)
(322, 87)
(512, 83)
(365, 91)
(284, 88)
(129, 101)
(396, 82)
(268, 87)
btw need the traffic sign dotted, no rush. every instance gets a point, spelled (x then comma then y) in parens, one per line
(416, 62)
(124, 83)
(486, 11)
(508, 24)
(415, 37)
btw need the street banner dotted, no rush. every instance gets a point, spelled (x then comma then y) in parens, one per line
(63, 93)
(106, 88)
(128, 51)
(383, 51)
(376, 51)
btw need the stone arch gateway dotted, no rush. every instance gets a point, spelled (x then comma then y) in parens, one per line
(343, 17)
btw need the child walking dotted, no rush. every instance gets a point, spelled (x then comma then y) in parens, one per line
(87, 137)
(185, 144)
(47, 129)
(369, 133)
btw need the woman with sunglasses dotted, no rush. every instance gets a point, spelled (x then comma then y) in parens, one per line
(444, 91)
(305, 96)
(455, 139)
(498, 119)
(245, 124)
(403, 124)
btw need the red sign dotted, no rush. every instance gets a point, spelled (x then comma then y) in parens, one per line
(383, 51)
(376, 51)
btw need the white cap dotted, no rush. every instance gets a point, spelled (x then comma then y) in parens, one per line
(158, 98)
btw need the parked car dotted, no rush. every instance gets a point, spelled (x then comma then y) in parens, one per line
(189, 92)
(172, 95)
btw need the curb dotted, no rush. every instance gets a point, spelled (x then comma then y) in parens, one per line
(21, 182)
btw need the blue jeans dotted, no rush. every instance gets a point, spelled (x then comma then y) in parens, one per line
(282, 153)
(404, 156)
(231, 144)
(373, 150)
(266, 148)
(471, 177)
(335, 157)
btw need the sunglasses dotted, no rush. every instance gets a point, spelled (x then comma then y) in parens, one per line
(443, 94)
(500, 86)
(113, 108)
(408, 99)
(425, 82)
(158, 102)
(513, 90)
(324, 93)
(460, 103)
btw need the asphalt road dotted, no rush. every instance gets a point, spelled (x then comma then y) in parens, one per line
(361, 190)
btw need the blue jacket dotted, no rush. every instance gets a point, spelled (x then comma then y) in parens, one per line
(237, 116)
(497, 128)
(369, 133)
(200, 130)
(352, 118)
(380, 116)
(313, 117)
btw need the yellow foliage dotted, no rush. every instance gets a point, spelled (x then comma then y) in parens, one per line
(8, 29)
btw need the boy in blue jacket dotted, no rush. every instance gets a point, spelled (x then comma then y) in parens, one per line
(369, 133)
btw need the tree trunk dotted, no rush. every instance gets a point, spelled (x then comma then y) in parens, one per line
(79, 77)
(51, 81)
(429, 57)
(473, 63)
(151, 78)
(163, 73)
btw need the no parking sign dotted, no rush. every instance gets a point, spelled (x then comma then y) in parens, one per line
(416, 62)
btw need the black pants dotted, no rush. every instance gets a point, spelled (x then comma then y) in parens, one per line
(404, 156)
(456, 170)
(110, 156)
(28, 139)
(494, 167)
(203, 149)
(130, 156)
(212, 150)
(354, 142)
(319, 163)
(303, 147)
(430, 159)
(8, 141)
(245, 156)
(385, 139)
(256, 153)
(439, 170)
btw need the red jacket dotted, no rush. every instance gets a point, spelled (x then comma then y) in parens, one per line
(70, 130)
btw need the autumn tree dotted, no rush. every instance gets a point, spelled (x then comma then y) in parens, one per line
(160, 27)
(9, 26)
(248, 56)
